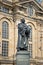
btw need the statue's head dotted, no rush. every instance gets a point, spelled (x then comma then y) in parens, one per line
(23, 20)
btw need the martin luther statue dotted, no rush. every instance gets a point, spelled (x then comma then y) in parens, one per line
(23, 35)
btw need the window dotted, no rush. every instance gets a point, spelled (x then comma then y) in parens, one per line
(30, 40)
(30, 37)
(4, 48)
(30, 10)
(30, 50)
(5, 38)
(5, 30)
(39, 1)
(4, 9)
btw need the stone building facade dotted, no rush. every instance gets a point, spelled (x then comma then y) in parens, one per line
(11, 11)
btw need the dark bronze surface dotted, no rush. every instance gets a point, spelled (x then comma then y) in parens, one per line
(23, 35)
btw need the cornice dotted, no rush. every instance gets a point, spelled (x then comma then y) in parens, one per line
(25, 15)
(20, 6)
(7, 3)
(38, 60)
(39, 12)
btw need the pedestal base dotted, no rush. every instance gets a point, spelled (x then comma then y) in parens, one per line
(22, 58)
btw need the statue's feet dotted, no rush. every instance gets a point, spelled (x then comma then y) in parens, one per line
(22, 49)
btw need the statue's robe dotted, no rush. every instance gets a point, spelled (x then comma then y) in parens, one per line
(23, 34)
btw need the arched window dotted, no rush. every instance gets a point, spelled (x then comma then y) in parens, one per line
(5, 30)
(30, 37)
(5, 37)
(30, 45)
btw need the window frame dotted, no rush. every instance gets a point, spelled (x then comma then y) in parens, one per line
(5, 8)
(5, 30)
(30, 50)
(5, 49)
(5, 54)
(30, 37)
(30, 10)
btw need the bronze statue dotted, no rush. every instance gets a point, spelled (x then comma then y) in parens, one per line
(23, 35)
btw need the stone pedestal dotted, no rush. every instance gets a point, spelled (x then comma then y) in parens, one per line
(22, 58)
